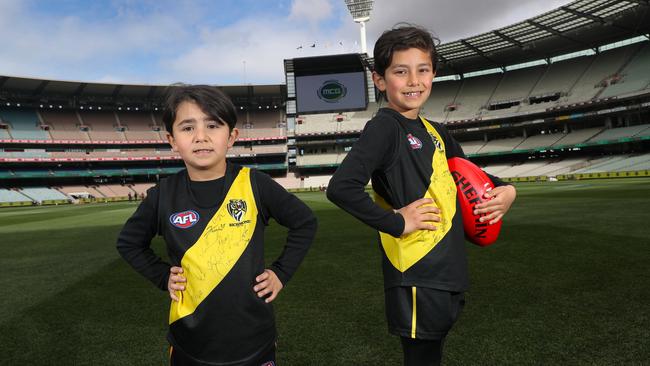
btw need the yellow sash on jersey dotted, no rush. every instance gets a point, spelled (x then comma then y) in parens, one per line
(219, 247)
(407, 250)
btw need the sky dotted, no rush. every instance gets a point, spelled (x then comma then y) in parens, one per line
(218, 42)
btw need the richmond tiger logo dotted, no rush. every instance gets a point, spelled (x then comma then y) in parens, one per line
(237, 209)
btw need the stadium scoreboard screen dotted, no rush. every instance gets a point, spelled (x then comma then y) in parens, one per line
(327, 84)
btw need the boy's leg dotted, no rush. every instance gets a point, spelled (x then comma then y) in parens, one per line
(422, 317)
(422, 352)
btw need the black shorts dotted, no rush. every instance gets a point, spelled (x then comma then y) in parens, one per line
(178, 358)
(420, 312)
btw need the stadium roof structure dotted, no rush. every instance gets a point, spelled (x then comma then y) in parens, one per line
(28, 90)
(579, 25)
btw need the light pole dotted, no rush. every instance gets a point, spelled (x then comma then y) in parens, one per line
(360, 11)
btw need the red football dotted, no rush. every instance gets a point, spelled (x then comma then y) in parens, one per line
(472, 183)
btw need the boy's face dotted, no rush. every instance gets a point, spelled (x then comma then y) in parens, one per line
(201, 141)
(407, 81)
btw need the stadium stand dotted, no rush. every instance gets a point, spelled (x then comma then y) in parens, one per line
(289, 182)
(23, 124)
(102, 126)
(262, 133)
(8, 195)
(473, 96)
(633, 77)
(621, 132)
(578, 136)
(316, 181)
(141, 188)
(137, 126)
(4, 134)
(538, 141)
(320, 159)
(603, 66)
(442, 94)
(40, 194)
(265, 119)
(64, 125)
(472, 147)
(498, 145)
(514, 87)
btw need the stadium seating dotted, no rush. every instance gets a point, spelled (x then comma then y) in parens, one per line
(554, 168)
(8, 195)
(261, 133)
(634, 76)
(40, 194)
(442, 94)
(24, 124)
(603, 66)
(64, 125)
(577, 136)
(500, 145)
(496, 169)
(320, 159)
(559, 77)
(316, 181)
(473, 96)
(472, 147)
(540, 141)
(141, 188)
(289, 182)
(4, 134)
(621, 132)
(102, 126)
(515, 85)
(138, 126)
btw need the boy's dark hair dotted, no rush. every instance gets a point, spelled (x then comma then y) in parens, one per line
(211, 100)
(400, 38)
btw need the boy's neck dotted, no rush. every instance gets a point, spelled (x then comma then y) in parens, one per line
(410, 114)
(201, 175)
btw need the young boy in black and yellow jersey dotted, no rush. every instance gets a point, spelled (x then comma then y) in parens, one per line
(212, 217)
(415, 208)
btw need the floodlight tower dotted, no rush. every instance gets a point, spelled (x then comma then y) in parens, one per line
(360, 10)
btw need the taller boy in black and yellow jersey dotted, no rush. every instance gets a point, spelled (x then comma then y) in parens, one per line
(415, 208)
(212, 216)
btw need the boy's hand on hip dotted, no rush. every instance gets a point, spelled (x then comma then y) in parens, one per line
(176, 282)
(497, 206)
(268, 283)
(419, 215)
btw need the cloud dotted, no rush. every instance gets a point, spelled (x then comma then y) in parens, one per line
(312, 11)
(451, 20)
(54, 46)
(254, 50)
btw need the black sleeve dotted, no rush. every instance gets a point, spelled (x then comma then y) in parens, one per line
(134, 241)
(375, 149)
(455, 150)
(291, 213)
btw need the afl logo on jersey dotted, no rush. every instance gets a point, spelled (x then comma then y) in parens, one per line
(414, 142)
(185, 219)
(237, 209)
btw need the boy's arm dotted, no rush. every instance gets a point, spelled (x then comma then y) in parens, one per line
(133, 242)
(292, 213)
(375, 148)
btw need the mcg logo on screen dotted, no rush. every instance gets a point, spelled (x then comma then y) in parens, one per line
(332, 91)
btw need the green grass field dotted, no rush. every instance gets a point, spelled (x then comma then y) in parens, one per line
(567, 284)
